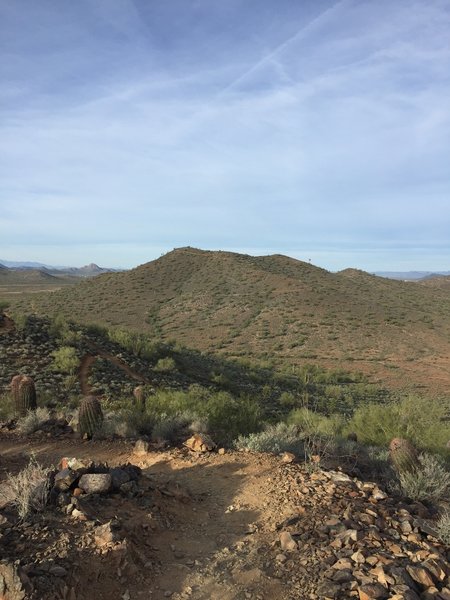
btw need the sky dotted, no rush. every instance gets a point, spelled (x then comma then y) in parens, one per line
(318, 129)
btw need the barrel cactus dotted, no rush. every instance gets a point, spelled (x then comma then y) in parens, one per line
(24, 394)
(403, 456)
(90, 417)
(15, 382)
(139, 396)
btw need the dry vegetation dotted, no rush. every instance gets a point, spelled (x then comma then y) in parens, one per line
(274, 309)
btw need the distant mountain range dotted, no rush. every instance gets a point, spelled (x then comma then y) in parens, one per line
(87, 271)
(410, 275)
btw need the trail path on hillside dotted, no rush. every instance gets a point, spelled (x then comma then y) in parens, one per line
(6, 324)
(88, 360)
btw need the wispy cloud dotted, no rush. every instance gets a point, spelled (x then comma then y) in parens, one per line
(322, 125)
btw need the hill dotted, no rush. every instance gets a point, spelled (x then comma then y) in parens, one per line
(410, 275)
(28, 276)
(276, 309)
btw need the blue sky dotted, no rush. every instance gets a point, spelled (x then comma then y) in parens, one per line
(311, 128)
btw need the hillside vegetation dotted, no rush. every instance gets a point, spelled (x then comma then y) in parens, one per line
(275, 309)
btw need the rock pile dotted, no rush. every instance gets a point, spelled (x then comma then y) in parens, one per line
(77, 478)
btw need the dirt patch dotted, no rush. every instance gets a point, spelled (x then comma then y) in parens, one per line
(208, 527)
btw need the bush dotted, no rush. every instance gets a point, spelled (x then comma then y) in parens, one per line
(275, 439)
(33, 420)
(430, 482)
(170, 427)
(420, 420)
(165, 365)
(28, 490)
(314, 423)
(116, 424)
(443, 527)
(65, 359)
(226, 416)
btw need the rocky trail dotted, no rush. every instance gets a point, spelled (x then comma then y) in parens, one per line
(213, 526)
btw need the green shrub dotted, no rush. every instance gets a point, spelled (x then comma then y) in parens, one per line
(165, 365)
(420, 420)
(314, 423)
(116, 424)
(275, 439)
(65, 359)
(226, 416)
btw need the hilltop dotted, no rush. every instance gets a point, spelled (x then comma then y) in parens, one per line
(273, 308)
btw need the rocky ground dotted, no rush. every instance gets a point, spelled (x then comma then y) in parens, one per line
(210, 526)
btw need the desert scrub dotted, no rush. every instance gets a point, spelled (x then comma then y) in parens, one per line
(65, 360)
(32, 421)
(116, 424)
(226, 415)
(172, 427)
(314, 423)
(165, 365)
(275, 439)
(420, 420)
(28, 490)
(443, 527)
(430, 481)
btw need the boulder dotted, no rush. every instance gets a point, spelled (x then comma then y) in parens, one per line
(200, 442)
(95, 483)
(65, 479)
(14, 584)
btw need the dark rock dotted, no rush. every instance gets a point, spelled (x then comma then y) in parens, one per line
(118, 477)
(65, 479)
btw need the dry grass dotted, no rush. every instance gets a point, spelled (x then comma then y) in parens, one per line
(28, 490)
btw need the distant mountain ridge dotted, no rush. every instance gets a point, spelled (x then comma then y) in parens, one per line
(410, 275)
(89, 270)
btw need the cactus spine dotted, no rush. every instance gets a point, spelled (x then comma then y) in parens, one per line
(90, 416)
(403, 456)
(139, 396)
(24, 394)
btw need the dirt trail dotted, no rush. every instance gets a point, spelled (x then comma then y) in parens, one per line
(88, 360)
(6, 324)
(200, 507)
(207, 527)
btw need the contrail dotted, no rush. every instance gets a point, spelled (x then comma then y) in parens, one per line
(300, 33)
